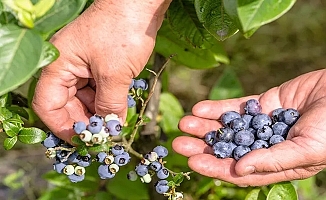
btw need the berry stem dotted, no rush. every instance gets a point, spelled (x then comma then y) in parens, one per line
(142, 110)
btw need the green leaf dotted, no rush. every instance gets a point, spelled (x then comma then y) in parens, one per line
(49, 54)
(20, 53)
(168, 43)
(98, 148)
(5, 114)
(183, 12)
(212, 15)
(171, 110)
(82, 150)
(177, 179)
(4, 100)
(15, 119)
(284, 191)
(76, 140)
(255, 194)
(255, 13)
(227, 86)
(61, 13)
(10, 128)
(43, 6)
(19, 110)
(31, 135)
(31, 91)
(9, 142)
(14, 180)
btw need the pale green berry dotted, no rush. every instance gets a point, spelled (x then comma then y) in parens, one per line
(146, 179)
(132, 175)
(68, 170)
(145, 161)
(79, 170)
(114, 168)
(177, 196)
(85, 136)
(111, 117)
(104, 132)
(109, 160)
(50, 153)
(152, 156)
(97, 138)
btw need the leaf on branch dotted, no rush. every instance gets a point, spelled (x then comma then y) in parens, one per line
(256, 194)
(76, 140)
(183, 12)
(49, 54)
(177, 179)
(10, 128)
(5, 114)
(31, 135)
(9, 142)
(212, 15)
(284, 191)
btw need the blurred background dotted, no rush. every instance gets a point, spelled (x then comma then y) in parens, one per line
(277, 52)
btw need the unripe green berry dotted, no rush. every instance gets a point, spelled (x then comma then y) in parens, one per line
(109, 160)
(97, 138)
(68, 170)
(111, 117)
(79, 170)
(50, 153)
(152, 156)
(114, 168)
(146, 179)
(85, 136)
(177, 196)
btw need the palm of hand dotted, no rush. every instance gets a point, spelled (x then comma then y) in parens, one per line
(302, 155)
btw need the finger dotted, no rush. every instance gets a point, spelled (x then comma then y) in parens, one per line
(223, 169)
(188, 146)
(198, 126)
(87, 96)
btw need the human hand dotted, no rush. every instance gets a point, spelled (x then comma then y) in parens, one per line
(302, 155)
(100, 52)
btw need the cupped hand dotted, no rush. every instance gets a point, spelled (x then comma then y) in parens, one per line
(100, 52)
(302, 155)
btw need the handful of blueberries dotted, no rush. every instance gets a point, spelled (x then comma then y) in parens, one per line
(242, 133)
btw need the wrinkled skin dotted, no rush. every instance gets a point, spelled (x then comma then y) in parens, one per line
(100, 52)
(302, 155)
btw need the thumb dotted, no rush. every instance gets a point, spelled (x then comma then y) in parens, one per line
(288, 154)
(111, 93)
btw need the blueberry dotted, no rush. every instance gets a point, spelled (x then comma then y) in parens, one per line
(76, 178)
(140, 84)
(104, 172)
(62, 155)
(240, 151)
(131, 101)
(261, 120)
(74, 157)
(141, 170)
(161, 186)
(247, 118)
(161, 151)
(100, 157)
(155, 166)
(223, 149)
(132, 84)
(252, 107)
(132, 175)
(211, 138)
(225, 134)
(58, 166)
(280, 128)
(276, 113)
(244, 137)
(163, 173)
(95, 124)
(289, 116)
(275, 139)
(85, 161)
(264, 133)
(51, 140)
(79, 127)
(122, 159)
(239, 124)
(228, 116)
(114, 127)
(117, 150)
(259, 144)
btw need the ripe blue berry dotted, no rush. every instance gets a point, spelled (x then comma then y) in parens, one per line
(228, 116)
(58, 166)
(275, 139)
(51, 140)
(117, 150)
(155, 166)
(141, 84)
(79, 127)
(95, 124)
(211, 137)
(76, 178)
(132, 84)
(85, 161)
(276, 113)
(253, 107)
(161, 186)
(259, 144)
(74, 157)
(162, 173)
(280, 128)
(289, 116)
(244, 137)
(114, 127)
(104, 172)
(261, 120)
(247, 118)
(240, 151)
(100, 157)
(264, 133)
(223, 149)
(122, 159)
(131, 101)
(141, 170)
(239, 124)
(161, 151)
(225, 134)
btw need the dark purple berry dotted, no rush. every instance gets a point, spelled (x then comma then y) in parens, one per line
(264, 133)
(211, 138)
(223, 149)
(280, 128)
(225, 134)
(276, 113)
(228, 116)
(253, 107)
(239, 124)
(261, 120)
(289, 116)
(275, 139)
(240, 151)
(244, 137)
(259, 144)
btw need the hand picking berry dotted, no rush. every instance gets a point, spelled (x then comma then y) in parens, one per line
(253, 130)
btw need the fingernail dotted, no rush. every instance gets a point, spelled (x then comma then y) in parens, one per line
(249, 170)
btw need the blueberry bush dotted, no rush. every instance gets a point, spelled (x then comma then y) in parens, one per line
(135, 160)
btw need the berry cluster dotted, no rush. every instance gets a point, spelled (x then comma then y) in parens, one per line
(67, 161)
(252, 130)
(112, 161)
(136, 85)
(99, 129)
